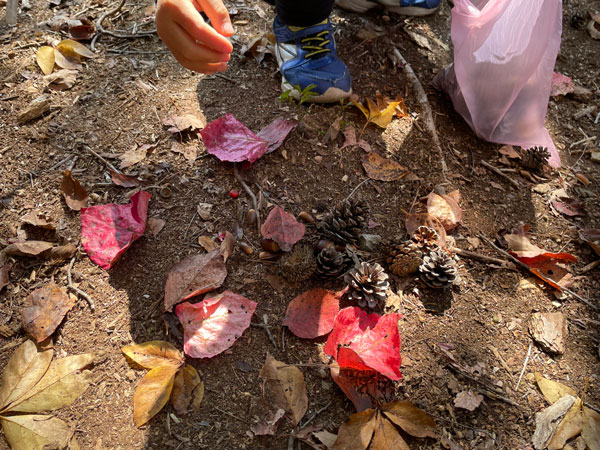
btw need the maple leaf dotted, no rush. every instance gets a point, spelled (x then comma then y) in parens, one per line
(213, 325)
(31, 383)
(283, 228)
(312, 313)
(108, 230)
(381, 111)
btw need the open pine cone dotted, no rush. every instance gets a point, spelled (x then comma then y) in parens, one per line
(345, 222)
(426, 239)
(404, 258)
(438, 269)
(299, 264)
(367, 284)
(331, 263)
(535, 158)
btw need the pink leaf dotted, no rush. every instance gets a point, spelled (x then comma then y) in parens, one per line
(283, 228)
(213, 325)
(193, 276)
(374, 339)
(230, 140)
(108, 230)
(569, 207)
(561, 85)
(276, 132)
(312, 313)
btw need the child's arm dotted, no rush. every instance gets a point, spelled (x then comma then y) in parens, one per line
(194, 43)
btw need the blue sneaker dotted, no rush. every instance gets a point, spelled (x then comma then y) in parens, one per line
(306, 56)
(404, 7)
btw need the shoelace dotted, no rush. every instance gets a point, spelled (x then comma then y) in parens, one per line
(316, 44)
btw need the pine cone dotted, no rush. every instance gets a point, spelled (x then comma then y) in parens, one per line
(367, 284)
(345, 222)
(299, 264)
(331, 263)
(426, 239)
(438, 269)
(535, 158)
(404, 258)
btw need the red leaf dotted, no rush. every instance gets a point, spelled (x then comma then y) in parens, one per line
(108, 230)
(360, 386)
(230, 140)
(569, 207)
(561, 85)
(312, 313)
(374, 339)
(193, 276)
(124, 180)
(276, 132)
(547, 267)
(213, 325)
(283, 228)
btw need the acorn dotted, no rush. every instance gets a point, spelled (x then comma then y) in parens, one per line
(268, 256)
(322, 244)
(251, 216)
(306, 217)
(247, 249)
(269, 245)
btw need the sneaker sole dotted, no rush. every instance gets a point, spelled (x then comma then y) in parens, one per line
(331, 95)
(361, 6)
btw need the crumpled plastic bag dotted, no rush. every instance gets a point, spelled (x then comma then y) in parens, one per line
(504, 56)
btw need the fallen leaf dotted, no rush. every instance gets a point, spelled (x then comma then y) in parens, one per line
(38, 219)
(382, 169)
(386, 437)
(350, 135)
(61, 80)
(203, 210)
(213, 325)
(36, 432)
(414, 221)
(4, 279)
(547, 421)
(186, 382)
(193, 276)
(185, 122)
(569, 207)
(375, 340)
(276, 132)
(312, 313)
(284, 385)
(411, 419)
(552, 390)
(591, 428)
(64, 63)
(468, 400)
(561, 85)
(71, 49)
(124, 180)
(283, 228)
(207, 243)
(60, 253)
(360, 386)
(108, 230)
(188, 150)
(227, 246)
(153, 393)
(133, 156)
(382, 111)
(75, 195)
(45, 310)
(230, 140)
(569, 427)
(356, 432)
(592, 237)
(27, 248)
(155, 225)
(154, 354)
(509, 151)
(259, 46)
(445, 208)
(83, 32)
(45, 59)
(268, 427)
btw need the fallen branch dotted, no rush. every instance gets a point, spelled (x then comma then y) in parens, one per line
(500, 173)
(100, 30)
(101, 158)
(78, 291)
(422, 97)
(240, 180)
(488, 259)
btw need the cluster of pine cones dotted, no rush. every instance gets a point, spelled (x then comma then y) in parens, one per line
(422, 253)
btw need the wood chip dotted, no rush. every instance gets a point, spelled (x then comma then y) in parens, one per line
(549, 331)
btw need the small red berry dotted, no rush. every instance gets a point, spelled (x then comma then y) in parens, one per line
(234, 193)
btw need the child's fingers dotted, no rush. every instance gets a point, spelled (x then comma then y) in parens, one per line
(191, 50)
(201, 67)
(218, 15)
(191, 21)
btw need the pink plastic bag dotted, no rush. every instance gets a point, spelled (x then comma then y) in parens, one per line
(504, 55)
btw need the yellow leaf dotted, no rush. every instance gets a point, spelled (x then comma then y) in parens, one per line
(154, 354)
(591, 428)
(24, 369)
(383, 110)
(64, 62)
(186, 381)
(45, 59)
(356, 432)
(569, 427)
(62, 383)
(73, 49)
(552, 390)
(153, 393)
(411, 419)
(197, 396)
(386, 436)
(35, 432)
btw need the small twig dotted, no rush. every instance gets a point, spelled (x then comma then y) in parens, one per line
(422, 97)
(78, 291)
(250, 193)
(524, 367)
(265, 326)
(501, 262)
(485, 389)
(189, 225)
(100, 30)
(355, 189)
(500, 173)
(453, 422)
(315, 414)
(590, 266)
(528, 269)
(230, 414)
(108, 164)
(499, 356)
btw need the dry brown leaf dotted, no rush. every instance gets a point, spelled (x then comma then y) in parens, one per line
(45, 310)
(38, 219)
(186, 382)
(356, 432)
(188, 150)
(571, 426)
(591, 428)
(445, 208)
(153, 393)
(414, 221)
(4, 279)
(509, 151)
(75, 195)
(61, 80)
(382, 169)
(45, 59)
(227, 246)
(133, 156)
(207, 243)
(284, 386)
(268, 426)
(411, 419)
(37, 432)
(185, 122)
(27, 248)
(154, 354)
(552, 390)
(193, 276)
(155, 225)
(386, 436)
(468, 400)
(60, 253)
(124, 180)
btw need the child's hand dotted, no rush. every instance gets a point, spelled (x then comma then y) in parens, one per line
(194, 43)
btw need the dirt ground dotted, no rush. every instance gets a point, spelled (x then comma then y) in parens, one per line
(117, 103)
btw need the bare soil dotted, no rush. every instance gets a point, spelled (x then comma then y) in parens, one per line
(117, 103)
